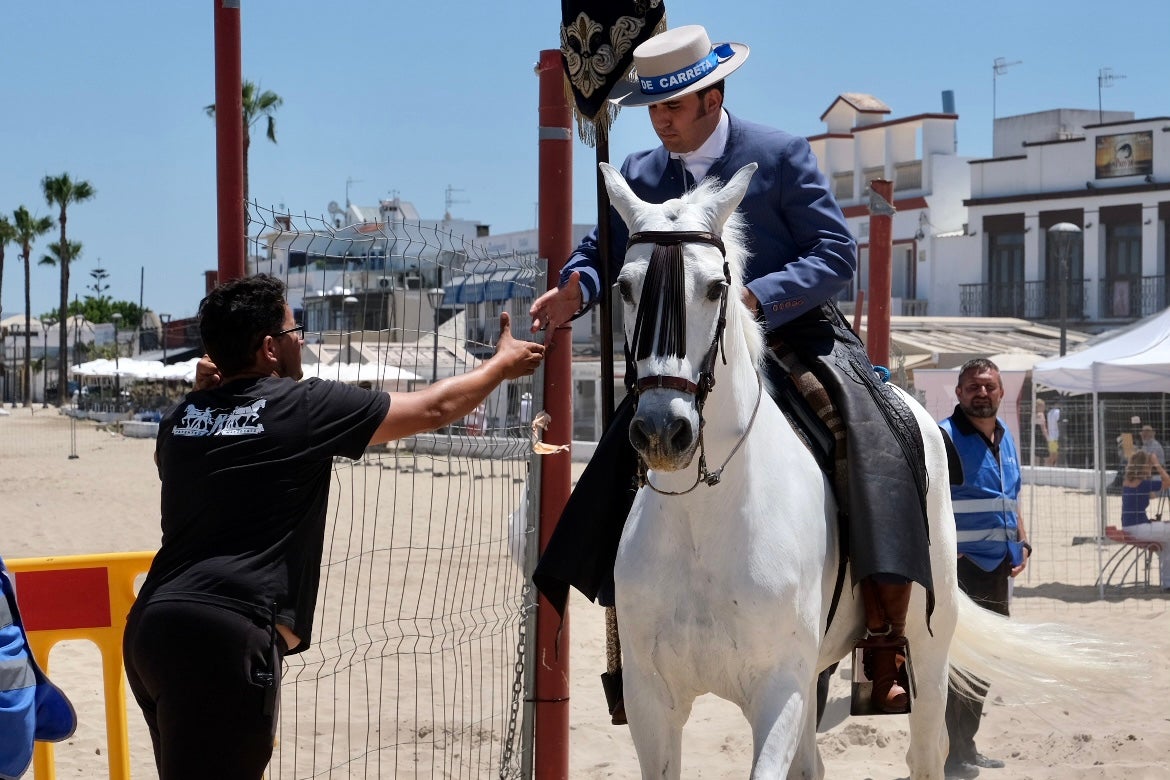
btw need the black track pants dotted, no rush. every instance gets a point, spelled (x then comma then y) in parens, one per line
(200, 673)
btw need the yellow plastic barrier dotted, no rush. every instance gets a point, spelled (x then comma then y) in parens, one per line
(82, 597)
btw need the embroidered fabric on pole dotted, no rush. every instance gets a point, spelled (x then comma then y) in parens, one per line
(598, 38)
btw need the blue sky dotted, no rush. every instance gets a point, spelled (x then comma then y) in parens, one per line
(410, 98)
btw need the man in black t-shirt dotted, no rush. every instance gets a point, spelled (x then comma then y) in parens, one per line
(245, 462)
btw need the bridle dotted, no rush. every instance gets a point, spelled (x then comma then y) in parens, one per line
(668, 247)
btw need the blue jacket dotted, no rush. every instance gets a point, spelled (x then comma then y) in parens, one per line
(985, 504)
(31, 707)
(802, 251)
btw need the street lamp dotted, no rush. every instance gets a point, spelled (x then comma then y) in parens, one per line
(46, 323)
(116, 318)
(165, 319)
(77, 318)
(435, 298)
(1063, 235)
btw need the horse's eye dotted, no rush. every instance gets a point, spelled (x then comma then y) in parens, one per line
(715, 290)
(626, 290)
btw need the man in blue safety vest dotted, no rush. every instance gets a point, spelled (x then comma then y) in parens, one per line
(993, 546)
(31, 707)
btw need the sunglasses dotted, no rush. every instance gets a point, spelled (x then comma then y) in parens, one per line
(297, 329)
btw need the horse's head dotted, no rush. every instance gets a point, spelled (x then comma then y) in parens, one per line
(679, 285)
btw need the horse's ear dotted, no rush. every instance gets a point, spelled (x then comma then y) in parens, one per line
(727, 199)
(620, 194)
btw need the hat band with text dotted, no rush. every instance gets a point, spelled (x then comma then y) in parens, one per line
(656, 85)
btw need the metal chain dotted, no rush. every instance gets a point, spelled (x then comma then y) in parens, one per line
(517, 684)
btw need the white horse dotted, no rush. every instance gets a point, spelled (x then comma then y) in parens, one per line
(726, 569)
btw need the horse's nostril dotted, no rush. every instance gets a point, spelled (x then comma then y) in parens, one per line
(638, 436)
(678, 433)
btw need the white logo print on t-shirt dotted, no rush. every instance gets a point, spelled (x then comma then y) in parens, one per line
(240, 421)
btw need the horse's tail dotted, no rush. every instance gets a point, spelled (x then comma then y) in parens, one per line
(1034, 662)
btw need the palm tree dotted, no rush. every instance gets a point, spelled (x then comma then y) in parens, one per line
(62, 191)
(28, 229)
(7, 236)
(257, 104)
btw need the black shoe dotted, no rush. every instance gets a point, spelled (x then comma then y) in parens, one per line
(960, 770)
(983, 762)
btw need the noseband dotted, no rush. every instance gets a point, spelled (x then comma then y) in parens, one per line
(672, 337)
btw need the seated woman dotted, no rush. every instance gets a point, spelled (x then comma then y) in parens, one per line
(1136, 490)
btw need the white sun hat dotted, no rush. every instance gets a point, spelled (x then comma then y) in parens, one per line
(677, 62)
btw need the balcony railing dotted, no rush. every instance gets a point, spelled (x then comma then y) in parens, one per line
(1119, 298)
(1036, 300)
(1131, 297)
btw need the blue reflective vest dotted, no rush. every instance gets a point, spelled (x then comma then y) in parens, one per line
(985, 504)
(31, 707)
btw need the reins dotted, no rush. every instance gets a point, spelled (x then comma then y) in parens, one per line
(665, 333)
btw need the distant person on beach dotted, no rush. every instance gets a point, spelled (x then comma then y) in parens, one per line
(1151, 444)
(1054, 432)
(245, 462)
(1137, 488)
(1040, 427)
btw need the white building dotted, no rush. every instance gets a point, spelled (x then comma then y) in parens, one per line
(918, 154)
(970, 236)
(1110, 179)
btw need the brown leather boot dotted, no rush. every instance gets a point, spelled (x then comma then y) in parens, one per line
(885, 622)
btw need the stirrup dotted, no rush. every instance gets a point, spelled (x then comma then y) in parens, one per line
(861, 698)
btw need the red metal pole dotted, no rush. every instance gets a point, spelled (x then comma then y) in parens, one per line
(881, 248)
(229, 139)
(551, 759)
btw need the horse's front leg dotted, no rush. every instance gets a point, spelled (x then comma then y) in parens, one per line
(807, 762)
(656, 716)
(780, 712)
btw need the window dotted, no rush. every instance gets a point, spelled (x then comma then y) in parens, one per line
(1005, 266)
(843, 185)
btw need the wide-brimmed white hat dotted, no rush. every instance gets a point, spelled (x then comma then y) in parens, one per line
(677, 62)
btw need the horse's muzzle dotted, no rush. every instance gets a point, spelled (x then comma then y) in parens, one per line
(666, 443)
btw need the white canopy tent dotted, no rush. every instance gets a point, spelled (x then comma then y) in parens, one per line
(378, 374)
(1135, 359)
(1129, 360)
(131, 368)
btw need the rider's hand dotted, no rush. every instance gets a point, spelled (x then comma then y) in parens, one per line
(751, 301)
(207, 374)
(556, 307)
(518, 358)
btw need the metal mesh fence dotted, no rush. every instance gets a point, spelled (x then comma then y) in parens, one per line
(422, 602)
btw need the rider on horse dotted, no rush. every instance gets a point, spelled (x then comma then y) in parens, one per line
(803, 256)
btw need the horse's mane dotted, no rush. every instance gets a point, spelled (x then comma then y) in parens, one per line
(735, 240)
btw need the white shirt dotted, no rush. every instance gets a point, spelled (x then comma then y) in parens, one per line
(1054, 425)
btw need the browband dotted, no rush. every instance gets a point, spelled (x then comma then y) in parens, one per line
(672, 237)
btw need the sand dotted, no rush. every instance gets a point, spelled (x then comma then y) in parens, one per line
(106, 500)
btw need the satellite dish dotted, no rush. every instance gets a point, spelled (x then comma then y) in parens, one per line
(333, 207)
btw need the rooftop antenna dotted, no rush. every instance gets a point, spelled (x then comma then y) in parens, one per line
(349, 180)
(1105, 78)
(449, 200)
(998, 68)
